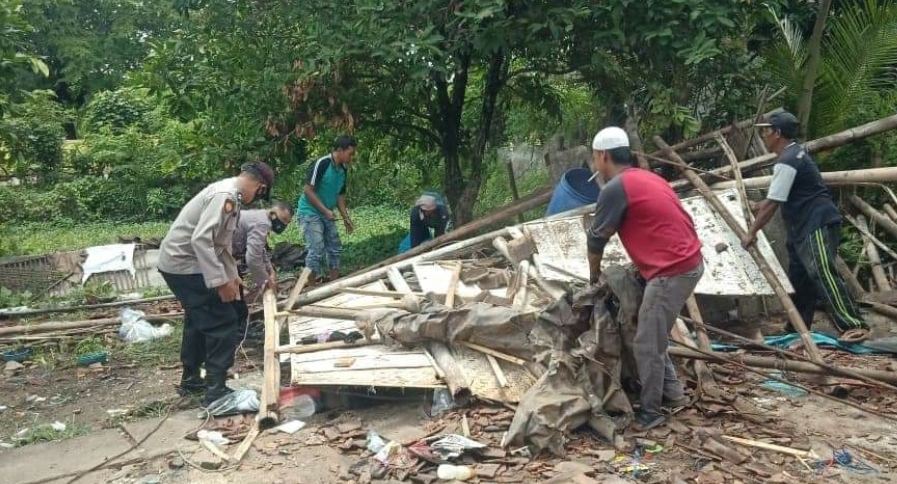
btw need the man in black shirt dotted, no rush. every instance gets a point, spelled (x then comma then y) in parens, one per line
(813, 225)
(427, 214)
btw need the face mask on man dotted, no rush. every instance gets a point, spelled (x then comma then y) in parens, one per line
(277, 225)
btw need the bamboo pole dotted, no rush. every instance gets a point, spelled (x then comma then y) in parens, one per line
(85, 307)
(695, 312)
(777, 363)
(762, 263)
(881, 219)
(702, 371)
(25, 329)
(822, 144)
(368, 292)
(867, 234)
(739, 182)
(888, 174)
(531, 201)
(297, 289)
(878, 272)
(744, 123)
(889, 209)
(853, 285)
(271, 387)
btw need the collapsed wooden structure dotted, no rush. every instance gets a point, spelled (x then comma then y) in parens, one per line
(541, 259)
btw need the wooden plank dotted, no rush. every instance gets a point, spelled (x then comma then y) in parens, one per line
(304, 349)
(388, 378)
(382, 361)
(300, 285)
(271, 386)
(453, 285)
(247, 442)
(499, 375)
(496, 354)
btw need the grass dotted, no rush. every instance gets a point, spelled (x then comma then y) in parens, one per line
(35, 239)
(44, 432)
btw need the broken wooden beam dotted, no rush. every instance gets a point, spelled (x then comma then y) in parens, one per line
(790, 309)
(744, 123)
(300, 285)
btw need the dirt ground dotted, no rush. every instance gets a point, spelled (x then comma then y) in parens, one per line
(331, 448)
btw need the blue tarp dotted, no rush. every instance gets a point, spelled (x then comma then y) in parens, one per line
(821, 339)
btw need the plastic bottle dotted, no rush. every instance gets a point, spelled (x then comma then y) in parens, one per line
(448, 472)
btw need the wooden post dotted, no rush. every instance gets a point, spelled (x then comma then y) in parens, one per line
(883, 221)
(453, 285)
(878, 272)
(512, 182)
(271, 386)
(793, 315)
(300, 285)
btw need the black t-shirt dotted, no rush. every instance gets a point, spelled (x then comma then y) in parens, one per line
(806, 202)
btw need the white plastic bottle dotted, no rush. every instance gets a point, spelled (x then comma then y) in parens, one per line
(448, 472)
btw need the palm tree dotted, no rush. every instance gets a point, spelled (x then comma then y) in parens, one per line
(858, 62)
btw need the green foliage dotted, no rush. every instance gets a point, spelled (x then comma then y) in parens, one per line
(117, 111)
(31, 137)
(15, 56)
(858, 55)
(9, 299)
(38, 432)
(86, 346)
(44, 238)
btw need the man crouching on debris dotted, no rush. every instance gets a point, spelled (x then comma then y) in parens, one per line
(196, 261)
(813, 224)
(250, 248)
(661, 240)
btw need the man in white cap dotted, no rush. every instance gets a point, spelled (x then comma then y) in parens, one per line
(427, 214)
(661, 240)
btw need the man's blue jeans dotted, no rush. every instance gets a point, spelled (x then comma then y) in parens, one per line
(321, 238)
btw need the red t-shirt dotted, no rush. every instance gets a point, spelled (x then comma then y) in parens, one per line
(655, 229)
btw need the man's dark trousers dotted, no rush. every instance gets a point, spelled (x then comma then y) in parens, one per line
(811, 270)
(210, 326)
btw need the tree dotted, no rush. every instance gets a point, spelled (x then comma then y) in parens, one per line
(15, 57)
(857, 58)
(815, 46)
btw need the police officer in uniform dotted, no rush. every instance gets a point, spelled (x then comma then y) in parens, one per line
(250, 250)
(196, 261)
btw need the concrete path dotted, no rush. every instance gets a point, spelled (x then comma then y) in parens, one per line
(58, 462)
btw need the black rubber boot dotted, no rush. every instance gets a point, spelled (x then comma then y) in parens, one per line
(191, 383)
(216, 387)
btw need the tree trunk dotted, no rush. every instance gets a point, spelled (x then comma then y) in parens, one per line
(815, 47)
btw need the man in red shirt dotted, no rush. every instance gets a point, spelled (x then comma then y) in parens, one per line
(661, 240)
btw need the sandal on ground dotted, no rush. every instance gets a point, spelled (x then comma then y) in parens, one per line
(857, 335)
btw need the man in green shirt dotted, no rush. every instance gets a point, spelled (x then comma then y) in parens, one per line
(325, 190)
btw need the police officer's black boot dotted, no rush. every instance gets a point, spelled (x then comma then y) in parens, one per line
(191, 383)
(216, 387)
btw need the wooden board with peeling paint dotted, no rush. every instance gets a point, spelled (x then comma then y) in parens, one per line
(371, 365)
(562, 243)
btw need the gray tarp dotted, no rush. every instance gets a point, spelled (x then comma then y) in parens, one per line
(584, 339)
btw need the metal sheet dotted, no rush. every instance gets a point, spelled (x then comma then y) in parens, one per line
(562, 243)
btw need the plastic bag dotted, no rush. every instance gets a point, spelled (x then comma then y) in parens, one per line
(135, 328)
(442, 402)
(236, 402)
